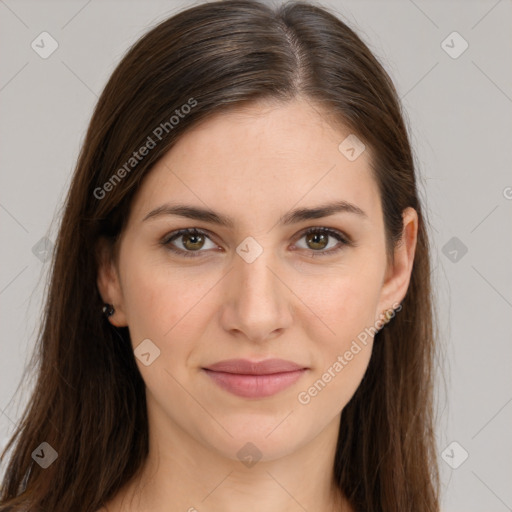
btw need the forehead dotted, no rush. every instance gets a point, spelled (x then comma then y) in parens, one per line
(259, 162)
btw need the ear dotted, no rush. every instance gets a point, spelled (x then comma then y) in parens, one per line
(108, 281)
(398, 274)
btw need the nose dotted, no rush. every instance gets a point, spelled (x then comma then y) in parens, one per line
(257, 302)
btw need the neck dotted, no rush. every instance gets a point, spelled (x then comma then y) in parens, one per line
(182, 474)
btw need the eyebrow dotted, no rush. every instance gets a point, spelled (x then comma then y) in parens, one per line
(294, 216)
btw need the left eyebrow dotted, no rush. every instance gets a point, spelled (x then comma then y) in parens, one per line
(292, 217)
(326, 210)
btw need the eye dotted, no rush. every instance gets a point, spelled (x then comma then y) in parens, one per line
(193, 240)
(318, 240)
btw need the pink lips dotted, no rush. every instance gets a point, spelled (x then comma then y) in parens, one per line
(255, 379)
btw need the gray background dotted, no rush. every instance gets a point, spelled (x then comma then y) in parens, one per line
(459, 112)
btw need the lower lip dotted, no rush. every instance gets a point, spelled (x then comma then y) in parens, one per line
(255, 386)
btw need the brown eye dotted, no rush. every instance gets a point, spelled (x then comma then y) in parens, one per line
(193, 242)
(317, 241)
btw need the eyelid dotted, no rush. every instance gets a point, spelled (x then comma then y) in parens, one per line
(342, 238)
(170, 237)
(324, 229)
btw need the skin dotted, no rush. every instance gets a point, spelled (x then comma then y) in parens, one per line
(253, 165)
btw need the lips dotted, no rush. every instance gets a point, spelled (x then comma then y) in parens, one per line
(246, 367)
(255, 379)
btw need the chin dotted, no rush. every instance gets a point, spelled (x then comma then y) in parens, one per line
(265, 439)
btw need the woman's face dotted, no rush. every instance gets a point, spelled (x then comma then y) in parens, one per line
(258, 287)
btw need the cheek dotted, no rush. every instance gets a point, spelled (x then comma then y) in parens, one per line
(347, 302)
(150, 299)
(165, 304)
(344, 339)
(331, 388)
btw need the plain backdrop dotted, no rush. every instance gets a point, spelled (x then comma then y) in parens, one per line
(450, 62)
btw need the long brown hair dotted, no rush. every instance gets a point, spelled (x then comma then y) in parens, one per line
(89, 398)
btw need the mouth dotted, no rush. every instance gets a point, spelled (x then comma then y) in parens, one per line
(250, 379)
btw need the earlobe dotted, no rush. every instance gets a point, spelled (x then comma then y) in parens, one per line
(399, 273)
(108, 284)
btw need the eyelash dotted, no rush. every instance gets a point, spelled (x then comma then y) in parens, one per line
(345, 241)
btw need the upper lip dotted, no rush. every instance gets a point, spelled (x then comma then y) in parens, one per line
(246, 367)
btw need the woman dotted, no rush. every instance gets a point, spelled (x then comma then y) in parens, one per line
(239, 314)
